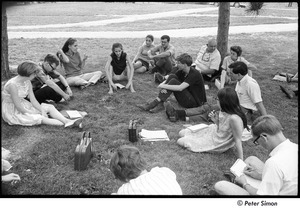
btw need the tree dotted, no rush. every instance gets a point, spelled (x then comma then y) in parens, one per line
(224, 22)
(5, 73)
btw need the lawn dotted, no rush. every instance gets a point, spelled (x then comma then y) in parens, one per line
(43, 156)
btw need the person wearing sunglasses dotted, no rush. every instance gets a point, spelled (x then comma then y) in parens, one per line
(278, 175)
(208, 60)
(48, 84)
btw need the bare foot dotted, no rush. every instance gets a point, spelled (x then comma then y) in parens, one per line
(132, 90)
(110, 92)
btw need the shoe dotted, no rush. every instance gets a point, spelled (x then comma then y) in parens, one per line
(74, 123)
(170, 111)
(158, 108)
(288, 78)
(148, 106)
(230, 176)
(153, 70)
(158, 78)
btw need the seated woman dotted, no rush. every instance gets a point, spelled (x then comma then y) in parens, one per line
(141, 61)
(74, 62)
(225, 133)
(119, 67)
(128, 166)
(16, 110)
(235, 55)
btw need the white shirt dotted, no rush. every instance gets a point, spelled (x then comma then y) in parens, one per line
(280, 173)
(158, 181)
(248, 92)
(227, 61)
(210, 60)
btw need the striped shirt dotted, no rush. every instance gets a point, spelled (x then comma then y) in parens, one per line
(158, 181)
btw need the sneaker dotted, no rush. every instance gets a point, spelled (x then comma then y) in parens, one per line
(158, 78)
(170, 111)
(158, 108)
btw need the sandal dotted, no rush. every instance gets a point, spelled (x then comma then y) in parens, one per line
(74, 123)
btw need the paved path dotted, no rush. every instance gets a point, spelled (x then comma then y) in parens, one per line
(193, 32)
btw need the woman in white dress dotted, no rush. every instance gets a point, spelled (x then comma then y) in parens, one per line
(16, 110)
(225, 133)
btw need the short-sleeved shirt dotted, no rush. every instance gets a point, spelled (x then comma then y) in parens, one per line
(170, 48)
(196, 84)
(118, 65)
(74, 67)
(227, 61)
(248, 92)
(42, 76)
(158, 181)
(210, 60)
(280, 173)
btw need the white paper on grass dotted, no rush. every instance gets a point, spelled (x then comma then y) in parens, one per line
(238, 169)
(120, 86)
(73, 113)
(159, 135)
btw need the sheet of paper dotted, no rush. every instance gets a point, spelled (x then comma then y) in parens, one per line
(120, 86)
(73, 114)
(158, 135)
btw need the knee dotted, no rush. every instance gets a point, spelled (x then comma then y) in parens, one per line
(173, 81)
(251, 159)
(220, 186)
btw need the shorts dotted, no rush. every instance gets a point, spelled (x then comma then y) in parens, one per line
(144, 63)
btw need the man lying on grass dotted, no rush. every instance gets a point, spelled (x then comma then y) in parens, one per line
(186, 84)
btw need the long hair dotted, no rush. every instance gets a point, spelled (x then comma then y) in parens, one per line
(27, 68)
(127, 163)
(70, 41)
(229, 103)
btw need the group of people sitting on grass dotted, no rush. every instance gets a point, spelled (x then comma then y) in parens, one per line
(25, 100)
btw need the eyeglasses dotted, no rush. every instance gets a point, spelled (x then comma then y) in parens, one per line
(255, 142)
(51, 67)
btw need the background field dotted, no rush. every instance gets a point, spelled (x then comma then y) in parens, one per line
(43, 155)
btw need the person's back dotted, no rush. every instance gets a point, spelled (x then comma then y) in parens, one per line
(158, 181)
(284, 163)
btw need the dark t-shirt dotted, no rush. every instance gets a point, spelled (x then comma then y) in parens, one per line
(196, 84)
(118, 65)
(39, 80)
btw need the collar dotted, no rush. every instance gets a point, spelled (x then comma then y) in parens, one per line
(245, 78)
(279, 146)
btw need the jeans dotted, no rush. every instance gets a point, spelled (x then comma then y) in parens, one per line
(165, 66)
(200, 113)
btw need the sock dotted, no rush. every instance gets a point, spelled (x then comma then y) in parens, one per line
(181, 114)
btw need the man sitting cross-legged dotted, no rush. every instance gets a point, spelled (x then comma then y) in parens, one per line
(186, 84)
(49, 84)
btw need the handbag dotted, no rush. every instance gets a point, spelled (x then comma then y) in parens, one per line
(83, 152)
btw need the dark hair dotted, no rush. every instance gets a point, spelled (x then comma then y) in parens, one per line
(116, 45)
(127, 163)
(229, 103)
(266, 124)
(150, 36)
(165, 37)
(237, 49)
(50, 58)
(70, 41)
(239, 67)
(27, 68)
(185, 59)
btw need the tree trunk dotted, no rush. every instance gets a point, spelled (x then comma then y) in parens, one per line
(223, 28)
(5, 72)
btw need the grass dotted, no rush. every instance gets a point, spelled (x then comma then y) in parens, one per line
(43, 155)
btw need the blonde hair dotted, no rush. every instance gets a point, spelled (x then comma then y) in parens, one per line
(27, 68)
